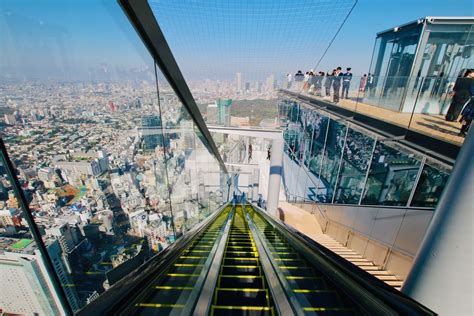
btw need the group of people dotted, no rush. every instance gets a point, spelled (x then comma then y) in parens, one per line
(312, 82)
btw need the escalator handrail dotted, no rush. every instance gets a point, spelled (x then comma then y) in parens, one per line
(285, 302)
(125, 291)
(379, 289)
(208, 284)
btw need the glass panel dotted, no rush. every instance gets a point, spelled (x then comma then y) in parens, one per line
(113, 169)
(431, 184)
(331, 160)
(355, 162)
(391, 176)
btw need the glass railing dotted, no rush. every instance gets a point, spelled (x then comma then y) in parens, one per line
(331, 160)
(111, 164)
(427, 105)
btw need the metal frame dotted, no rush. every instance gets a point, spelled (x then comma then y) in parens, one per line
(143, 20)
(35, 232)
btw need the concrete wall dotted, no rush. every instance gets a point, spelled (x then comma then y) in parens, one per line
(388, 236)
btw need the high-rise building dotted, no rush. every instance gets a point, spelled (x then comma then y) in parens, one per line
(211, 113)
(24, 283)
(239, 82)
(270, 83)
(150, 131)
(223, 110)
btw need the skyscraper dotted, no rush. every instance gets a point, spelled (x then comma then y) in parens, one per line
(24, 282)
(223, 111)
(270, 83)
(239, 82)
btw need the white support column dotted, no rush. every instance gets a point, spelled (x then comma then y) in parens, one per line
(276, 170)
(255, 184)
(442, 274)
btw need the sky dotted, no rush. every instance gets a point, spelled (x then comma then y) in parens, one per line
(93, 40)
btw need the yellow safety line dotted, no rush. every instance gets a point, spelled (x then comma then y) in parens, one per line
(166, 287)
(244, 308)
(241, 290)
(292, 268)
(292, 277)
(181, 274)
(188, 265)
(159, 305)
(240, 266)
(312, 291)
(322, 309)
(192, 257)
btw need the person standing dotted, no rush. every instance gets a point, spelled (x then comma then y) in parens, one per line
(461, 95)
(328, 82)
(346, 82)
(319, 83)
(363, 82)
(299, 76)
(269, 153)
(250, 152)
(306, 82)
(336, 84)
(467, 114)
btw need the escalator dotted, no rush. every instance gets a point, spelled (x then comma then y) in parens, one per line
(241, 285)
(314, 292)
(171, 293)
(241, 261)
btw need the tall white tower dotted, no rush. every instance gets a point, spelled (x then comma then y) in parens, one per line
(239, 82)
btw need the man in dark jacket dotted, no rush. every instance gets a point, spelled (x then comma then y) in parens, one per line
(328, 82)
(336, 84)
(346, 82)
(461, 95)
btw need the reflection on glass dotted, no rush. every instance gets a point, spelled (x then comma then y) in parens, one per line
(331, 160)
(430, 186)
(356, 157)
(391, 176)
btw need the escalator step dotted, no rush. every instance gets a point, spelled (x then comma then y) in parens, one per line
(240, 261)
(328, 311)
(241, 297)
(187, 269)
(241, 248)
(179, 281)
(247, 254)
(169, 296)
(147, 309)
(297, 271)
(241, 310)
(191, 259)
(306, 283)
(285, 254)
(240, 270)
(315, 298)
(237, 281)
